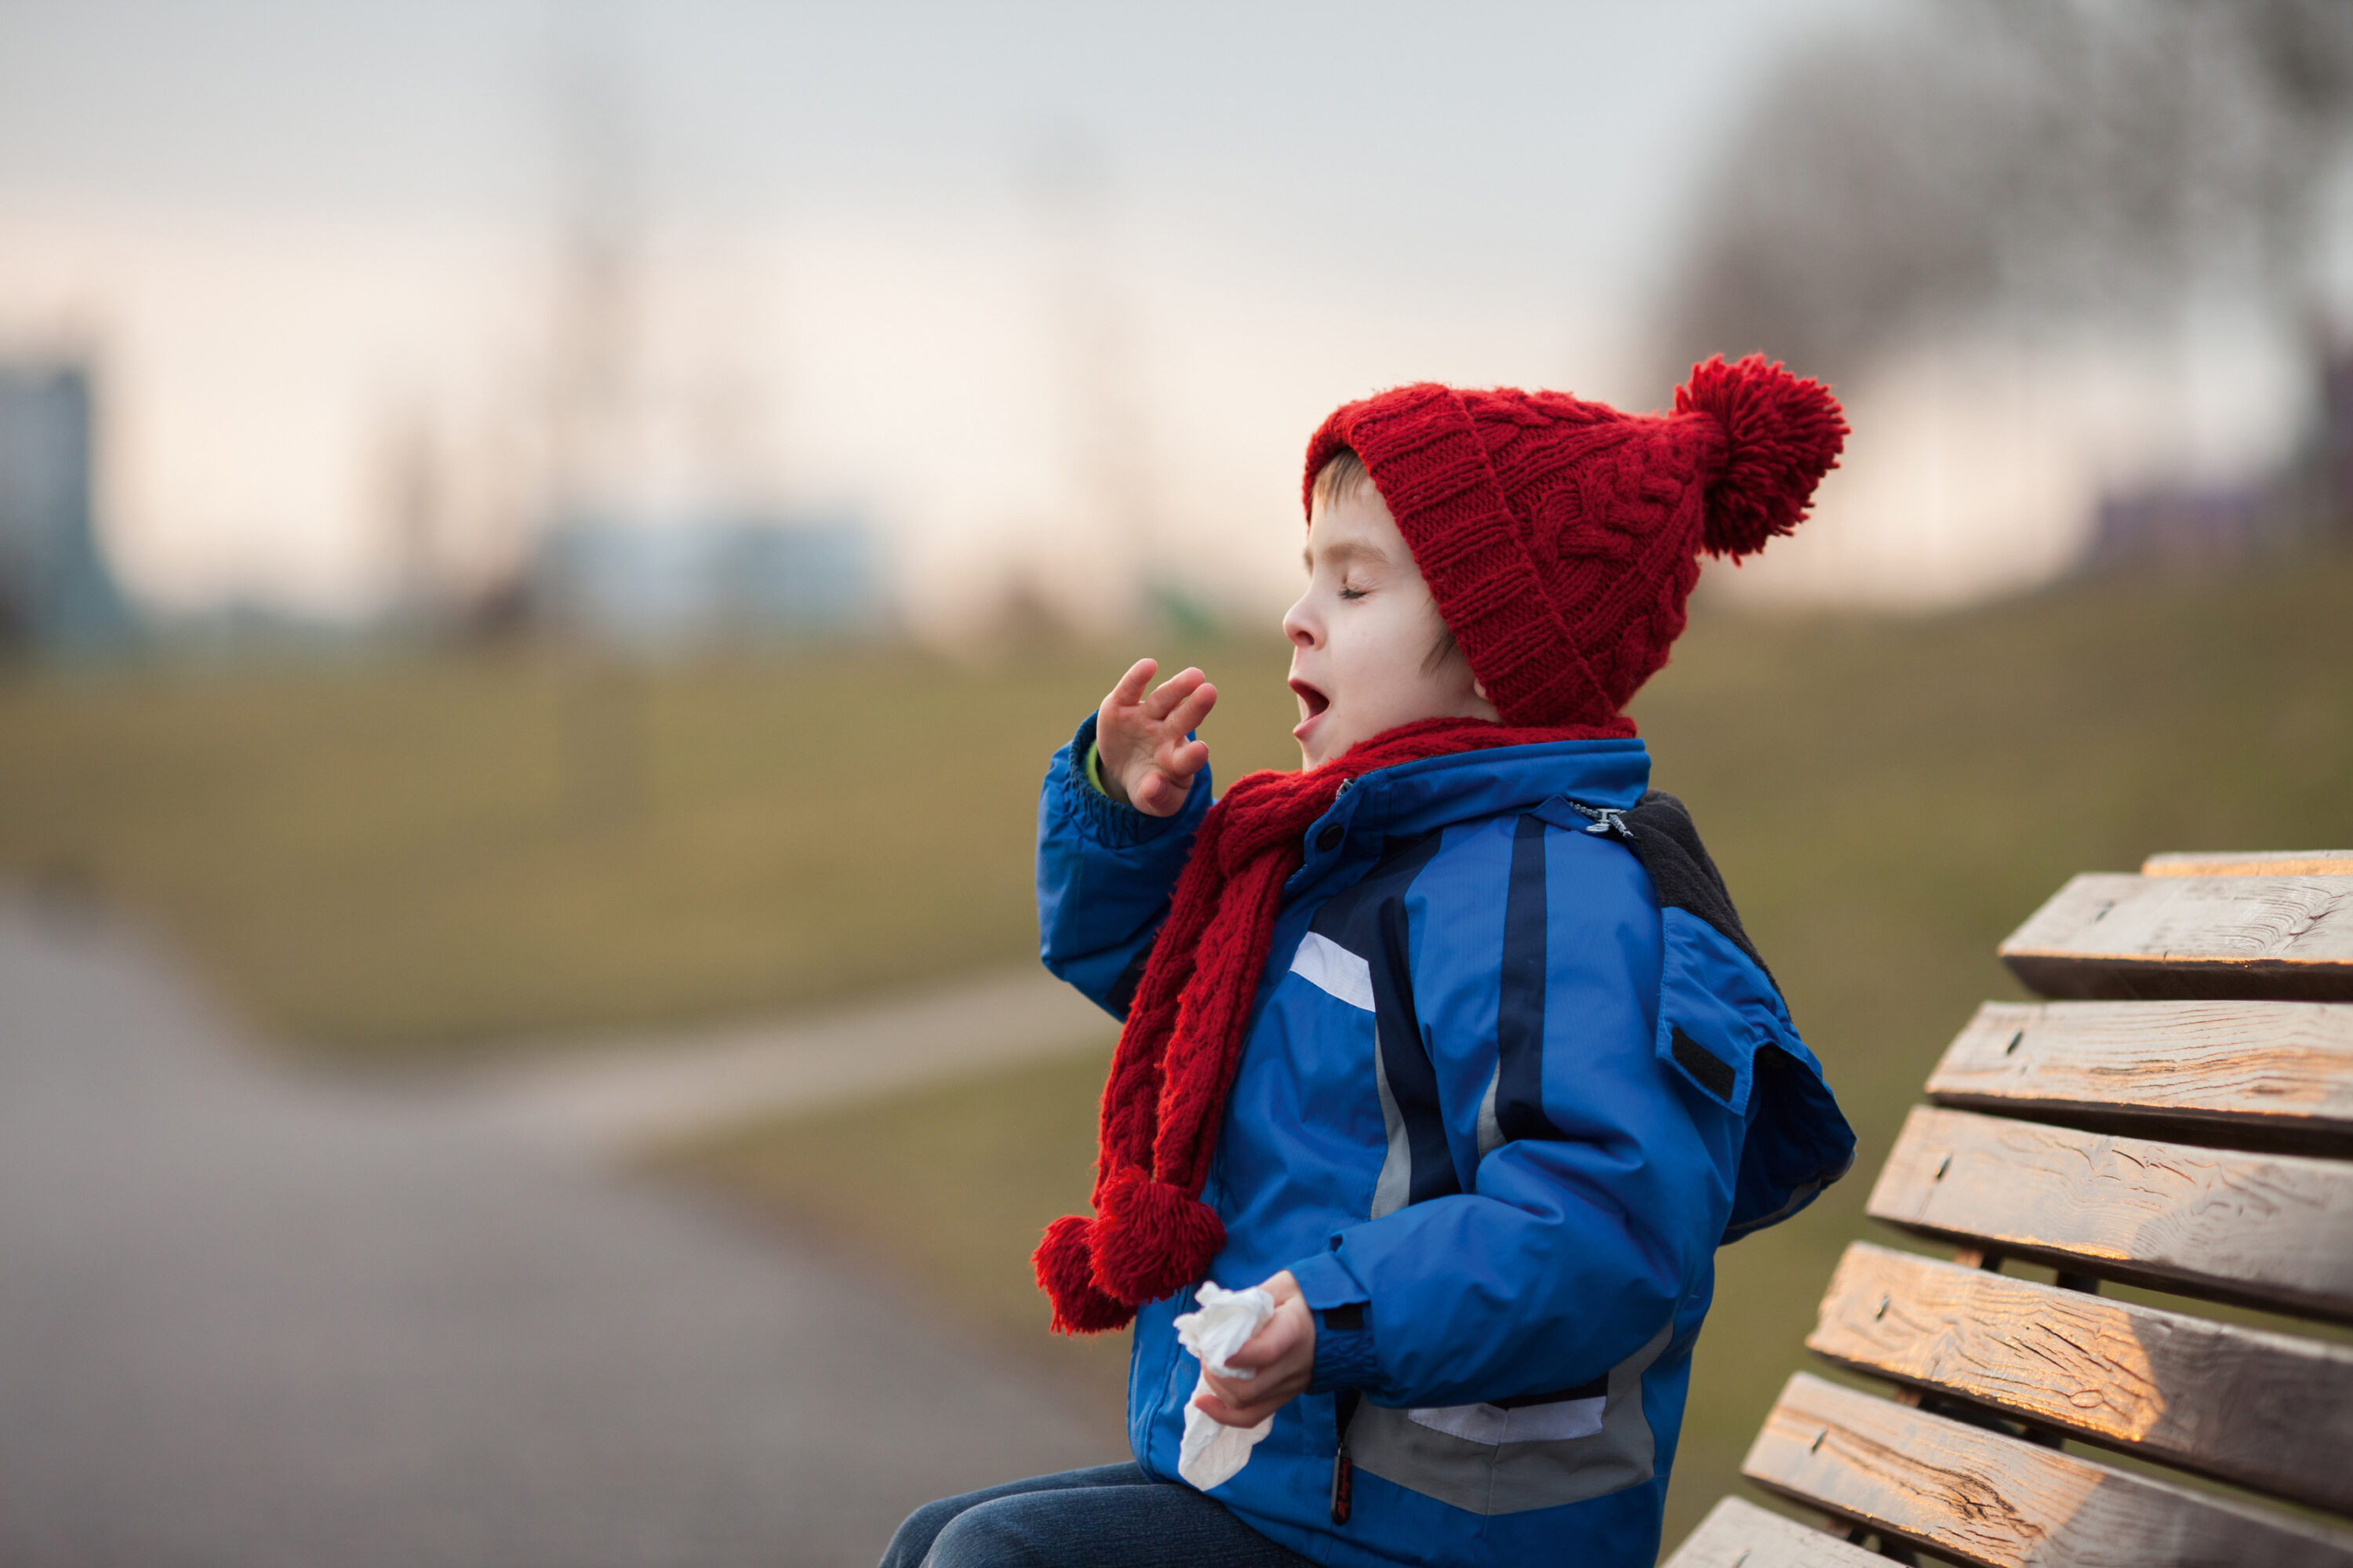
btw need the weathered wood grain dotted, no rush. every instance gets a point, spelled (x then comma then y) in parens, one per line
(2269, 1230)
(1988, 1499)
(1739, 1534)
(2275, 1075)
(2106, 937)
(2269, 1411)
(2255, 863)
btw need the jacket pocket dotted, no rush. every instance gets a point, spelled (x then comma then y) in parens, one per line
(1715, 1008)
(1538, 1451)
(1524, 1418)
(1722, 1030)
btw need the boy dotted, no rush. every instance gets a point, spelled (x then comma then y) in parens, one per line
(1450, 1040)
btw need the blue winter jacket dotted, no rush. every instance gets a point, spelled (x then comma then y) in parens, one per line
(1513, 1073)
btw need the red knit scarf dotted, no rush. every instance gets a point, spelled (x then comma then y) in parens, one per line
(1151, 1235)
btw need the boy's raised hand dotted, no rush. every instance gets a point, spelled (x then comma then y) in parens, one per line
(1140, 744)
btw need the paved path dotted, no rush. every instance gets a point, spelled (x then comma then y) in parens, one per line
(627, 1093)
(247, 1320)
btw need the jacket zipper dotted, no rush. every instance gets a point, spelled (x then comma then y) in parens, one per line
(1344, 1466)
(1604, 819)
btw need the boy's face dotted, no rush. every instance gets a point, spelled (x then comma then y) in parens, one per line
(1362, 633)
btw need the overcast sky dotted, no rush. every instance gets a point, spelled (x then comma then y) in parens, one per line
(293, 224)
(1445, 140)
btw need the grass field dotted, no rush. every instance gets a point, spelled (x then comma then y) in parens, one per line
(1886, 799)
(403, 861)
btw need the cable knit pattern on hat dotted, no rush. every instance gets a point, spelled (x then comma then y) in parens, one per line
(1562, 538)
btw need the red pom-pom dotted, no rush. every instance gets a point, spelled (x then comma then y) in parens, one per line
(1151, 1239)
(1066, 1272)
(1781, 435)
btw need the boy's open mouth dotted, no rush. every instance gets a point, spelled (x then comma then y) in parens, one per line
(1312, 703)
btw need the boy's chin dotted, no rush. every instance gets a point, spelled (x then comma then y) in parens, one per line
(1326, 741)
(1313, 735)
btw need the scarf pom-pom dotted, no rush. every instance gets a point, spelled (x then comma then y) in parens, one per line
(1066, 1272)
(1152, 1239)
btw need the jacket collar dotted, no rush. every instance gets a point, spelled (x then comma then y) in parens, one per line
(1416, 797)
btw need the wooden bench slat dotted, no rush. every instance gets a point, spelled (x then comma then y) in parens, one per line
(2268, 1410)
(2268, 1230)
(2255, 863)
(2266, 1074)
(2106, 937)
(1736, 1533)
(1994, 1501)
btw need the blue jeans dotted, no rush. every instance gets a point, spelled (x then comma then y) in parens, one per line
(1114, 1516)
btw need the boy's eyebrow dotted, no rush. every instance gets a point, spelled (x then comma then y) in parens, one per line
(1348, 550)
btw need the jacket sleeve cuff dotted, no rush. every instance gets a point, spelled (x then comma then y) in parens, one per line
(1099, 816)
(1344, 1327)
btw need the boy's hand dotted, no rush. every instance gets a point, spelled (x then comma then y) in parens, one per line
(1282, 1354)
(1140, 743)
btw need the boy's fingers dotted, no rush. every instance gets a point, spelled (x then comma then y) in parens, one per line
(1188, 714)
(1255, 1356)
(1219, 1411)
(1267, 1346)
(1184, 758)
(1130, 690)
(1156, 797)
(1227, 1414)
(1173, 690)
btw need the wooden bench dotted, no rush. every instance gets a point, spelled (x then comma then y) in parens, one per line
(2178, 1118)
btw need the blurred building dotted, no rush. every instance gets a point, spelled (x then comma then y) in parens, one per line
(2303, 503)
(55, 592)
(2327, 471)
(2184, 529)
(651, 586)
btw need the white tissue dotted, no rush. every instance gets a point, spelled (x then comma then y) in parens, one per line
(1213, 1453)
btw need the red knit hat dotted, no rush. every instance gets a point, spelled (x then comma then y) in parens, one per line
(1562, 538)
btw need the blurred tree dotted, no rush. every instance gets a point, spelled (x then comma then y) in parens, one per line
(2084, 158)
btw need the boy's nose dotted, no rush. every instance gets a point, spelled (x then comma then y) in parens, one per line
(1298, 627)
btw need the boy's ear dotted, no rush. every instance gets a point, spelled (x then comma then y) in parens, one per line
(1478, 688)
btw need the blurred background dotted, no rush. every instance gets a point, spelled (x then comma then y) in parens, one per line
(544, 549)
